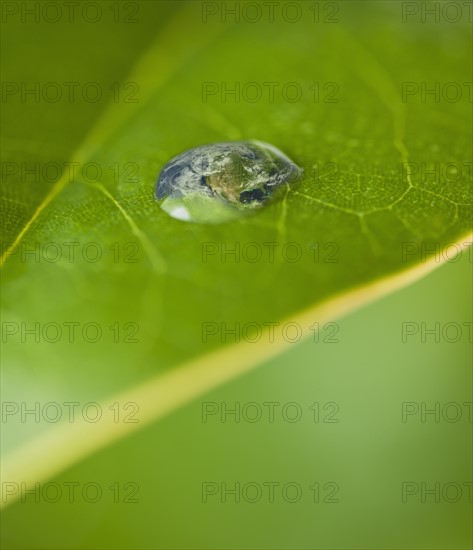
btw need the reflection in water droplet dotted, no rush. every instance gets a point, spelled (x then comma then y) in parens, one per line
(221, 181)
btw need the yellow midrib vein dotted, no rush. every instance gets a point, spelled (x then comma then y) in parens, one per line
(65, 445)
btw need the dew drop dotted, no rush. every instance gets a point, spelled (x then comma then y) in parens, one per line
(221, 181)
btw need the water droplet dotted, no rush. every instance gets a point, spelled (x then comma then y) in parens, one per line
(221, 181)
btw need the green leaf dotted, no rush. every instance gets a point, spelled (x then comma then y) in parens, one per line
(365, 220)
